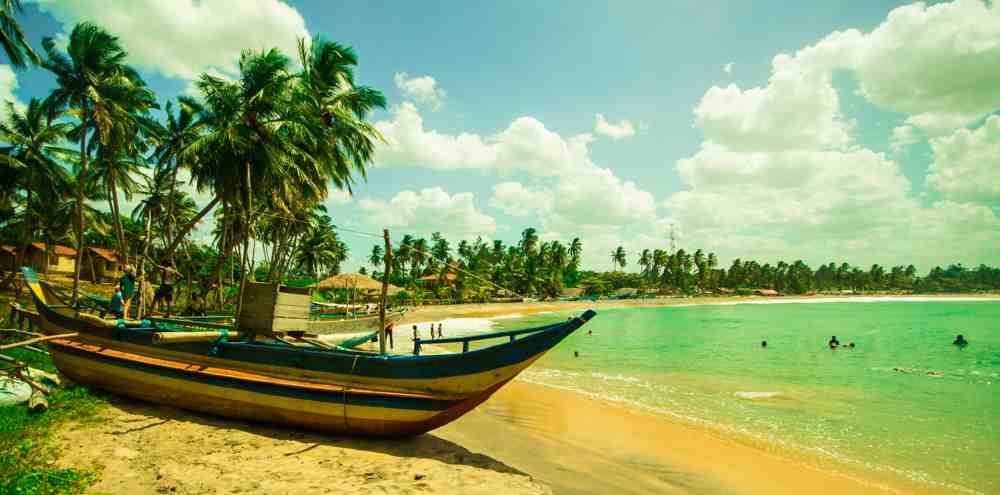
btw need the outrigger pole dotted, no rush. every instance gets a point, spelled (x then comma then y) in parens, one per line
(387, 265)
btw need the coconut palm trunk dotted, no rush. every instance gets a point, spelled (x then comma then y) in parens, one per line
(80, 184)
(188, 226)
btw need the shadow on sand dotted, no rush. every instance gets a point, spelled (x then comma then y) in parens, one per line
(426, 446)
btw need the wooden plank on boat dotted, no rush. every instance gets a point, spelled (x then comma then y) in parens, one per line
(37, 339)
(189, 323)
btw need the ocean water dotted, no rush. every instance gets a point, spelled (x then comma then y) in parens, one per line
(903, 405)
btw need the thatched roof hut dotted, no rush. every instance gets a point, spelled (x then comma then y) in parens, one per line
(355, 281)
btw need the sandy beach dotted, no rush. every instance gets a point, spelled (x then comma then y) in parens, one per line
(528, 438)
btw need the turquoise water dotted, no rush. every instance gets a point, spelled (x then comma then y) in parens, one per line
(904, 403)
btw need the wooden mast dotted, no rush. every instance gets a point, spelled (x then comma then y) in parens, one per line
(387, 265)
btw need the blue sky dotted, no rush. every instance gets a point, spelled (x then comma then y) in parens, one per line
(757, 129)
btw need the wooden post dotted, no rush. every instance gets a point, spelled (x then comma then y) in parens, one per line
(387, 265)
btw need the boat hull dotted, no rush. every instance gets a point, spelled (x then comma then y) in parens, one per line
(228, 393)
(341, 391)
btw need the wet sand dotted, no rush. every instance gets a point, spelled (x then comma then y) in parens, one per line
(579, 445)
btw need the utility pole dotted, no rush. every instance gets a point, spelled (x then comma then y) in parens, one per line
(387, 265)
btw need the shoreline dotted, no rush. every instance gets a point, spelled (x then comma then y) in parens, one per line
(423, 314)
(582, 445)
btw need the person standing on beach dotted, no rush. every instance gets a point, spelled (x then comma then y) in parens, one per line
(388, 333)
(117, 308)
(440, 330)
(416, 333)
(127, 283)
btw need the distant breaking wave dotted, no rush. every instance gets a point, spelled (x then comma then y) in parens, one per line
(843, 299)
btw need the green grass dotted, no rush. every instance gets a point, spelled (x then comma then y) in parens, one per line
(27, 453)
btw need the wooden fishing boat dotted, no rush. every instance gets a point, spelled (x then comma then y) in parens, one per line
(241, 376)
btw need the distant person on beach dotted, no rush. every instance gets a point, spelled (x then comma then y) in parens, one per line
(763, 344)
(590, 332)
(960, 341)
(440, 330)
(834, 343)
(388, 333)
(416, 333)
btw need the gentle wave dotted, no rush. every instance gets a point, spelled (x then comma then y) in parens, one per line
(756, 395)
(845, 299)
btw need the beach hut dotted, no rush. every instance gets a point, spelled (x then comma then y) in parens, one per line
(433, 279)
(60, 259)
(8, 258)
(101, 264)
(766, 292)
(355, 283)
(572, 292)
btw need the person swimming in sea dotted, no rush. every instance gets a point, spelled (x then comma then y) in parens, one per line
(850, 345)
(763, 344)
(960, 341)
(834, 343)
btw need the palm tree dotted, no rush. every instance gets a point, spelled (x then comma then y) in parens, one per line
(376, 257)
(529, 241)
(646, 261)
(281, 132)
(418, 256)
(33, 152)
(94, 82)
(575, 251)
(618, 258)
(179, 131)
(15, 44)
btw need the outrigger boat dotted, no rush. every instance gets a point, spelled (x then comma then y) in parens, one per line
(240, 374)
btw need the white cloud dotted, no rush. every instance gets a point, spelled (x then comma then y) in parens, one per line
(794, 111)
(422, 89)
(183, 38)
(728, 69)
(903, 137)
(617, 131)
(409, 144)
(338, 197)
(516, 200)
(8, 84)
(427, 211)
(965, 163)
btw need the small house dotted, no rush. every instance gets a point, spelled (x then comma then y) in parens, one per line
(434, 279)
(100, 264)
(58, 259)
